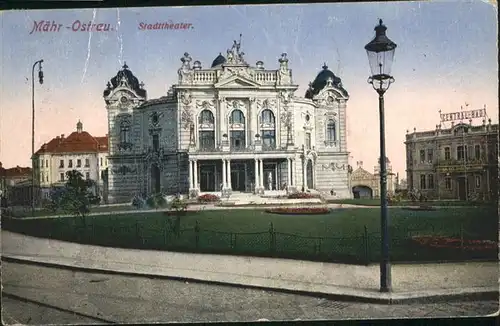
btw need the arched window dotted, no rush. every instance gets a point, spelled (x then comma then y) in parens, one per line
(268, 130)
(206, 132)
(331, 132)
(237, 117)
(237, 133)
(267, 117)
(206, 118)
(124, 132)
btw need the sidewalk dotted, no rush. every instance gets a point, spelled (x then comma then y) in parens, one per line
(415, 282)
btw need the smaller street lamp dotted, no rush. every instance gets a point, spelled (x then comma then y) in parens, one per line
(380, 56)
(33, 174)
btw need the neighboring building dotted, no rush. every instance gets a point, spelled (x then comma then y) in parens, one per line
(13, 179)
(228, 127)
(79, 151)
(367, 185)
(456, 163)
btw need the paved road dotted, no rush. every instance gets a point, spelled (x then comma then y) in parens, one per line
(123, 299)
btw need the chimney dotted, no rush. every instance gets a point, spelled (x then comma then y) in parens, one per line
(62, 136)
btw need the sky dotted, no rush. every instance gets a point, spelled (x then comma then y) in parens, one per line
(446, 57)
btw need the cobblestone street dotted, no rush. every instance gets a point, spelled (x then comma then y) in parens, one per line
(134, 299)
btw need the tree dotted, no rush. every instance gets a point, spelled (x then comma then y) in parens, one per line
(77, 196)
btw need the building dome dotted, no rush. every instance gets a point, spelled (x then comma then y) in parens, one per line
(321, 80)
(132, 81)
(219, 60)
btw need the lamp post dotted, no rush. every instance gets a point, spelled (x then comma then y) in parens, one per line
(33, 175)
(380, 56)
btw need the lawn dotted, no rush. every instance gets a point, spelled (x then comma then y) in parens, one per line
(337, 236)
(435, 203)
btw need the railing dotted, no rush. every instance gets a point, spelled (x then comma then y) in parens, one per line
(210, 77)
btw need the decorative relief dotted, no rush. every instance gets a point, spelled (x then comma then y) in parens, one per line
(205, 105)
(266, 104)
(123, 170)
(335, 166)
(286, 97)
(232, 104)
(186, 114)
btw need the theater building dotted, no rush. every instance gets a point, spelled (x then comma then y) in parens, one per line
(460, 162)
(225, 128)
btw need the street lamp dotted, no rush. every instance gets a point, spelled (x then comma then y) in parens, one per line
(380, 56)
(40, 80)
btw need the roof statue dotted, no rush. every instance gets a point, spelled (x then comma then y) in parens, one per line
(234, 55)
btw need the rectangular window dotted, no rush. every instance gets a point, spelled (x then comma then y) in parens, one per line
(447, 153)
(106, 162)
(422, 156)
(430, 181)
(447, 183)
(70, 163)
(308, 140)
(422, 181)
(460, 153)
(430, 155)
(156, 143)
(61, 164)
(268, 139)
(237, 139)
(477, 152)
(61, 177)
(46, 163)
(207, 140)
(87, 175)
(87, 162)
(42, 177)
(478, 181)
(47, 178)
(78, 163)
(101, 161)
(41, 163)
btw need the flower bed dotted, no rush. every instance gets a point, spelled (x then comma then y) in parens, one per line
(455, 243)
(302, 195)
(298, 210)
(208, 198)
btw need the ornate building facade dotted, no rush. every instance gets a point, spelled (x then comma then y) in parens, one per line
(228, 127)
(460, 162)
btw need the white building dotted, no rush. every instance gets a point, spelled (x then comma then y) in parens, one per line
(228, 127)
(79, 151)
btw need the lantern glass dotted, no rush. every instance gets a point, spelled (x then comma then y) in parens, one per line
(380, 53)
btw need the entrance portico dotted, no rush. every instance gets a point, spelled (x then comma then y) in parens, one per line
(255, 174)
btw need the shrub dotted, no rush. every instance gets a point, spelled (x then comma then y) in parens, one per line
(298, 210)
(178, 205)
(455, 243)
(208, 198)
(151, 202)
(138, 202)
(301, 195)
(160, 200)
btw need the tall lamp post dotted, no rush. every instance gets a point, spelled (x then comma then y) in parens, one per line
(33, 175)
(380, 56)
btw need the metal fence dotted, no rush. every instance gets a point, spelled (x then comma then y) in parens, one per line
(361, 248)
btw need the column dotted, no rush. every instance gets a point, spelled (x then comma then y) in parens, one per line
(261, 173)
(195, 163)
(304, 174)
(289, 171)
(292, 172)
(224, 175)
(229, 174)
(190, 174)
(256, 183)
(276, 181)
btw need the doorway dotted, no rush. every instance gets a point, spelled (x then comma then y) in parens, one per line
(238, 176)
(155, 179)
(208, 177)
(310, 175)
(462, 188)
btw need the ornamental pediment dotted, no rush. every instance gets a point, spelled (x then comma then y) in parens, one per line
(330, 94)
(361, 174)
(236, 82)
